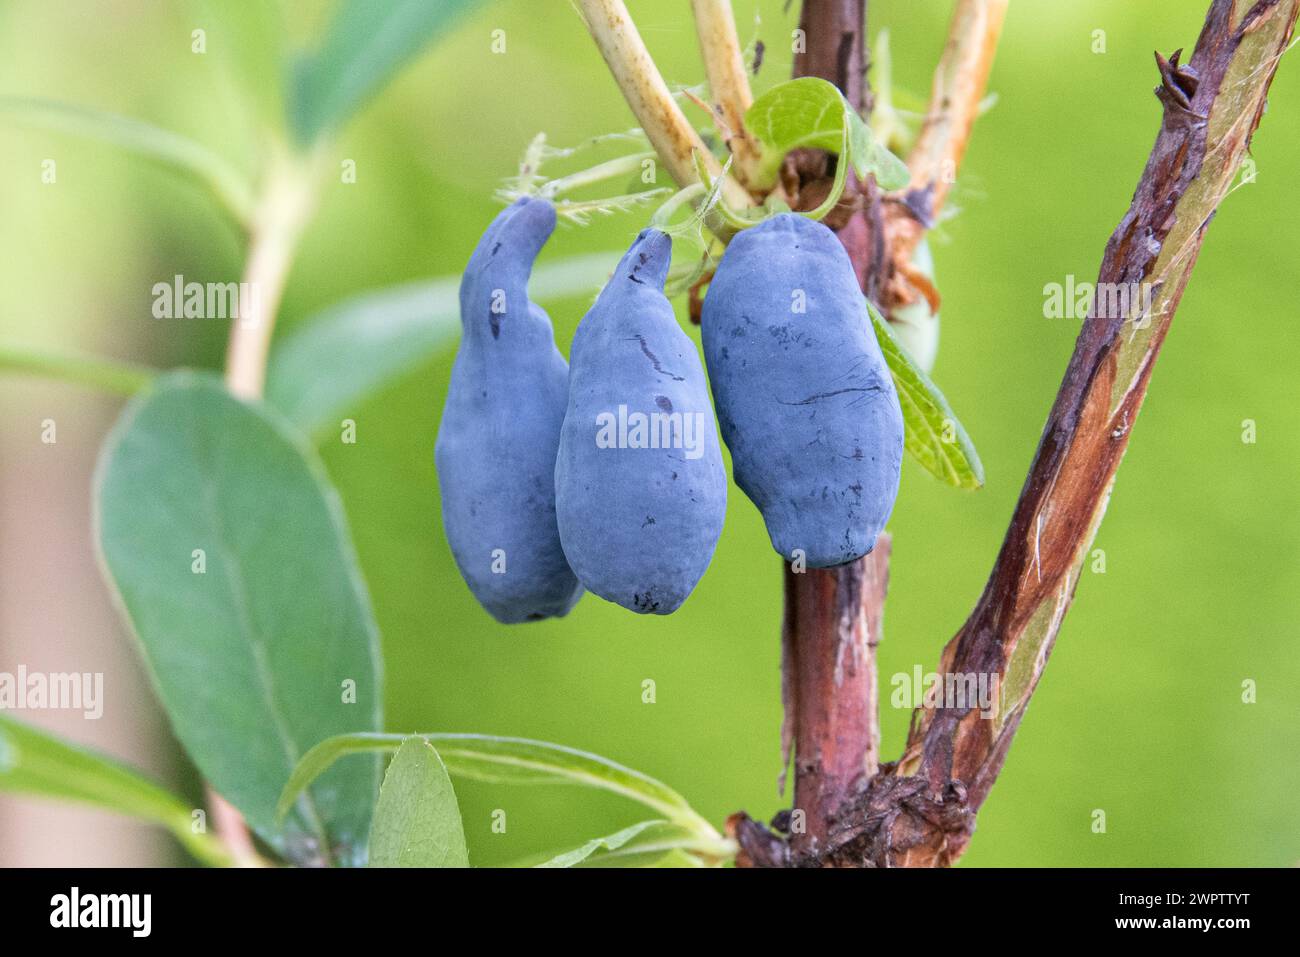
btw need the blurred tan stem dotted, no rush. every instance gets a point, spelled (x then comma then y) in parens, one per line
(283, 209)
(728, 82)
(647, 94)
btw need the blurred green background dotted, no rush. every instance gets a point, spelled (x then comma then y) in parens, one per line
(1140, 713)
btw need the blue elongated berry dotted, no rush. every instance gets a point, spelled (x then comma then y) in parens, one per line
(805, 401)
(640, 488)
(501, 427)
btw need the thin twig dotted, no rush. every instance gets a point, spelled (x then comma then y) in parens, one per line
(232, 832)
(960, 80)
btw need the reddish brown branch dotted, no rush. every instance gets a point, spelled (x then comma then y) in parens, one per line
(921, 810)
(828, 667)
(833, 617)
(1211, 108)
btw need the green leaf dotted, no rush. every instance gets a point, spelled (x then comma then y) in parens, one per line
(36, 763)
(417, 821)
(810, 113)
(329, 365)
(169, 149)
(250, 40)
(891, 172)
(123, 378)
(498, 760)
(230, 555)
(368, 43)
(647, 844)
(931, 431)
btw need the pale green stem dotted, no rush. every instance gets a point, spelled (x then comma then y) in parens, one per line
(619, 166)
(122, 378)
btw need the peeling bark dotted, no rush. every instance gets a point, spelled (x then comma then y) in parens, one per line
(920, 810)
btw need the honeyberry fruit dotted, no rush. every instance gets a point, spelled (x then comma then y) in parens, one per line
(500, 429)
(640, 487)
(805, 401)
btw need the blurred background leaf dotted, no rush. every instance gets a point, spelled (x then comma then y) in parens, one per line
(32, 762)
(333, 363)
(161, 146)
(229, 552)
(367, 43)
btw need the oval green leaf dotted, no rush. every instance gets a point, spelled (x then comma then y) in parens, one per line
(230, 555)
(417, 820)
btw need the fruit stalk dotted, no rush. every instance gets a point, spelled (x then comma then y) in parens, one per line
(647, 94)
(960, 79)
(728, 83)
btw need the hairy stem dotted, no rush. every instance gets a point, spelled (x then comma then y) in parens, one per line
(618, 167)
(647, 94)
(728, 82)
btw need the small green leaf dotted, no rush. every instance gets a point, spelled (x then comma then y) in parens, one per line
(328, 366)
(36, 763)
(164, 147)
(230, 555)
(124, 378)
(931, 431)
(368, 43)
(610, 843)
(417, 820)
(811, 113)
(805, 112)
(647, 844)
(498, 760)
(891, 172)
